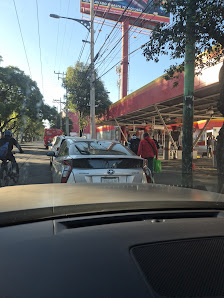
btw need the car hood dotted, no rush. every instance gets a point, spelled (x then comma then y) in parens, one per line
(54, 195)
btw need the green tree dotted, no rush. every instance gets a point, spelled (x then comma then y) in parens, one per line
(77, 82)
(19, 96)
(21, 103)
(171, 39)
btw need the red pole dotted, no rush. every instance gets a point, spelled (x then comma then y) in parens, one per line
(124, 63)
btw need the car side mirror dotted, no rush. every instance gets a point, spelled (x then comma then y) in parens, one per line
(50, 153)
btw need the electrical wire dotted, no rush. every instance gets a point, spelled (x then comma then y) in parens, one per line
(84, 44)
(102, 61)
(41, 65)
(126, 32)
(64, 36)
(22, 38)
(106, 59)
(104, 18)
(115, 34)
(112, 30)
(57, 38)
(121, 60)
(83, 47)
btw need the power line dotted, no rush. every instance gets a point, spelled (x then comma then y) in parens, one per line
(70, 39)
(107, 57)
(57, 37)
(41, 65)
(104, 19)
(121, 60)
(126, 32)
(22, 38)
(83, 47)
(97, 55)
(115, 33)
(113, 29)
(64, 36)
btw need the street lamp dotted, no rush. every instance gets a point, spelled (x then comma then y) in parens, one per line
(89, 25)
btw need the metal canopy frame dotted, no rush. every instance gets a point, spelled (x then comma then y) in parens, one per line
(204, 100)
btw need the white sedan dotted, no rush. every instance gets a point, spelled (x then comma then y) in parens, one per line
(96, 161)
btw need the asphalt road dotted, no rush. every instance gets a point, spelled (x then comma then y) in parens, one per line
(35, 169)
(33, 164)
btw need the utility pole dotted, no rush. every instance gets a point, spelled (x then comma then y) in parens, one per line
(124, 63)
(92, 77)
(188, 101)
(60, 102)
(66, 109)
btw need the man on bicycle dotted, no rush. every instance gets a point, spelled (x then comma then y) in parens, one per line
(6, 146)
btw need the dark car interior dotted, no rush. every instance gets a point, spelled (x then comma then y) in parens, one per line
(138, 253)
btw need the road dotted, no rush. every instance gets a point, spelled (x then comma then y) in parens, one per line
(35, 169)
(33, 164)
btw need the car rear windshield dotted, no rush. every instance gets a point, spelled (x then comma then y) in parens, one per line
(106, 163)
(98, 148)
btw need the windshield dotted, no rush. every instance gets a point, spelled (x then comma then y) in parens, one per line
(112, 96)
(99, 148)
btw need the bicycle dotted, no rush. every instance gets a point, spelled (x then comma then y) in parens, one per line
(7, 174)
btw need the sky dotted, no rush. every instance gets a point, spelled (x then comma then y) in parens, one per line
(60, 46)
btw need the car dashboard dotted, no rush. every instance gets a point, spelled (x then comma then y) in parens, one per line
(177, 253)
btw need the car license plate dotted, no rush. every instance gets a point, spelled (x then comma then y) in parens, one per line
(109, 180)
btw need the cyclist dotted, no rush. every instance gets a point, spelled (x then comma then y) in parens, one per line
(6, 146)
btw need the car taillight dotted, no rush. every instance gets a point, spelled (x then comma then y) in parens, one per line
(66, 171)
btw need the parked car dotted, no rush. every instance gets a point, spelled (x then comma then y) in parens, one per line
(49, 134)
(56, 144)
(97, 161)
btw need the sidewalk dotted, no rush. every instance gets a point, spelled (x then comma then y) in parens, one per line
(205, 176)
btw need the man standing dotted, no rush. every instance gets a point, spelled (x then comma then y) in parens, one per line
(147, 149)
(134, 144)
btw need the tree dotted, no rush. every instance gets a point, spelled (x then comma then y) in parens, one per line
(77, 82)
(22, 108)
(171, 39)
(19, 96)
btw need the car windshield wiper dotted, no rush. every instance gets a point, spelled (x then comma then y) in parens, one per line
(83, 151)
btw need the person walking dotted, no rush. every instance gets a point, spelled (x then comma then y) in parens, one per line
(209, 146)
(134, 144)
(147, 149)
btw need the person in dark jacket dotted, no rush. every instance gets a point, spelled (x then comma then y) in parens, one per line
(11, 142)
(147, 149)
(156, 142)
(134, 144)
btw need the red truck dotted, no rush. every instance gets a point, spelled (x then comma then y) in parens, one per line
(49, 134)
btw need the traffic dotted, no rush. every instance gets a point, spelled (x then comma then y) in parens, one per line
(81, 160)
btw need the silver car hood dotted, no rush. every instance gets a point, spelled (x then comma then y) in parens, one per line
(24, 197)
